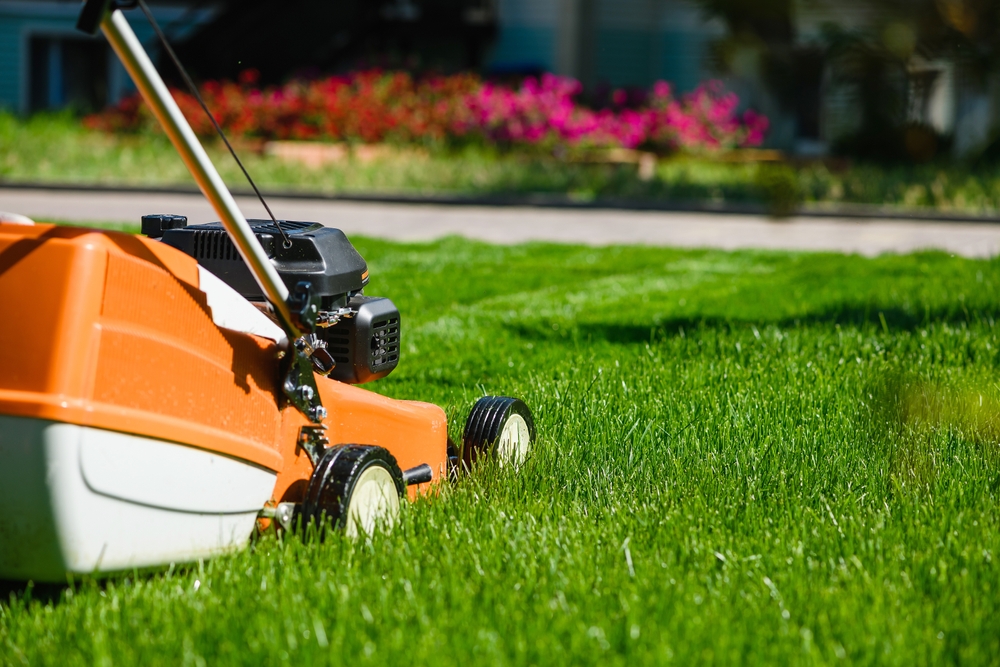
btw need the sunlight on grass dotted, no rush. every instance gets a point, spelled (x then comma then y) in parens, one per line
(718, 478)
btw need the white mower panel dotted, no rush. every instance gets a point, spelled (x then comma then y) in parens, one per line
(83, 500)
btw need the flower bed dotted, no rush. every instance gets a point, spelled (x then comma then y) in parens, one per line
(375, 106)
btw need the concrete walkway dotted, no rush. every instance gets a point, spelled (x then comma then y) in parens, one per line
(421, 222)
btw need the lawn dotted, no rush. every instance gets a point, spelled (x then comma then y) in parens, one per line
(743, 458)
(56, 149)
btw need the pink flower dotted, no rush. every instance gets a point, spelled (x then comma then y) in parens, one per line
(374, 105)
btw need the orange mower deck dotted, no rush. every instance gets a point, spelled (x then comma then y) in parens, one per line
(112, 331)
(142, 424)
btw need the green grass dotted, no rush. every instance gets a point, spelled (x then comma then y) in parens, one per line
(732, 467)
(56, 149)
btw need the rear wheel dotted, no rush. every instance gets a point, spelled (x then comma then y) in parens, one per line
(500, 428)
(356, 488)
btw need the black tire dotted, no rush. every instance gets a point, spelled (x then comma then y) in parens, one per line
(490, 417)
(333, 489)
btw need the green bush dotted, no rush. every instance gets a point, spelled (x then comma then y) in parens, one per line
(779, 189)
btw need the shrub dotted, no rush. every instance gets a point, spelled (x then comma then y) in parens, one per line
(779, 188)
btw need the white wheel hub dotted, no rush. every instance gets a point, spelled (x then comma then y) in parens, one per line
(515, 441)
(374, 502)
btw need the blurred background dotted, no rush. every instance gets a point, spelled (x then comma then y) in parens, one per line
(792, 101)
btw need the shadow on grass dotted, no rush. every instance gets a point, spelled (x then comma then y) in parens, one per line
(892, 319)
(26, 591)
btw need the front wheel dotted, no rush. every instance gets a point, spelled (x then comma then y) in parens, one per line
(356, 488)
(500, 428)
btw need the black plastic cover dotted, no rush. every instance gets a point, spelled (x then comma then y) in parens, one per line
(91, 16)
(366, 346)
(320, 255)
(153, 226)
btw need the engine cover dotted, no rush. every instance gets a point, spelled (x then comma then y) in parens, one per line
(365, 346)
(364, 342)
(323, 256)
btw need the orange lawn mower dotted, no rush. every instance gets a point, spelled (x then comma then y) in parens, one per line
(162, 395)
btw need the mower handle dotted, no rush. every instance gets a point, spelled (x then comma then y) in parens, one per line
(106, 15)
(94, 11)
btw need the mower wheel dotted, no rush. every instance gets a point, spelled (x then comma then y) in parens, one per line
(355, 488)
(498, 427)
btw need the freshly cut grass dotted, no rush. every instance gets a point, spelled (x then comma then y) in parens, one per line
(730, 469)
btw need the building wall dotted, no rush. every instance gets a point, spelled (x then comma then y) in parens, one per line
(20, 20)
(528, 39)
(616, 42)
(957, 104)
(642, 41)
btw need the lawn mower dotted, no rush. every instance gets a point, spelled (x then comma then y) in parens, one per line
(164, 395)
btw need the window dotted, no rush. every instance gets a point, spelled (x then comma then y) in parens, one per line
(67, 72)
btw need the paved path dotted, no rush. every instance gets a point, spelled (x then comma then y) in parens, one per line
(420, 222)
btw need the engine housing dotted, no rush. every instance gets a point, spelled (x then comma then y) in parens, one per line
(364, 342)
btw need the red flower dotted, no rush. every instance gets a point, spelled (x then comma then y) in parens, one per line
(373, 106)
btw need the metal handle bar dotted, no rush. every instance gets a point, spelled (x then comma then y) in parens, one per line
(123, 40)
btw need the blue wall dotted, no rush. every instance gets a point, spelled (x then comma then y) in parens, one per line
(638, 58)
(20, 19)
(523, 48)
(633, 45)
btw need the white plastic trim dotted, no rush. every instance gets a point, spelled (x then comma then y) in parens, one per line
(15, 219)
(170, 476)
(54, 522)
(231, 311)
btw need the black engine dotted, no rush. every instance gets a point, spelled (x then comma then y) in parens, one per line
(361, 333)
